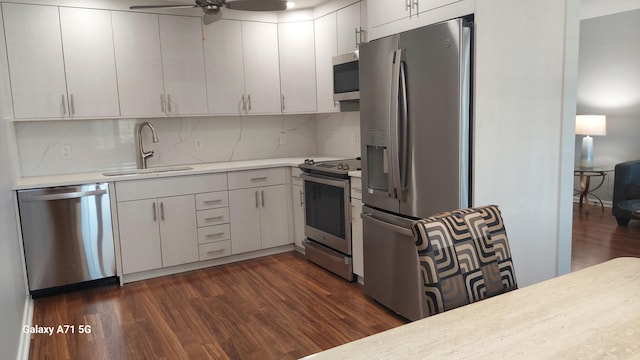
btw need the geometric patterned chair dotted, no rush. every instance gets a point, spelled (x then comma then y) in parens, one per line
(464, 257)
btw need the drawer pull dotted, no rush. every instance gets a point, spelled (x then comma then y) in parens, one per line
(207, 202)
(261, 178)
(214, 218)
(213, 252)
(214, 235)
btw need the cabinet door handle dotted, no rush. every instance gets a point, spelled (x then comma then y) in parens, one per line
(301, 198)
(415, 3)
(282, 103)
(213, 252)
(249, 101)
(209, 236)
(244, 104)
(407, 5)
(256, 193)
(359, 32)
(262, 196)
(162, 211)
(214, 218)
(155, 217)
(208, 202)
(64, 106)
(169, 103)
(72, 107)
(162, 102)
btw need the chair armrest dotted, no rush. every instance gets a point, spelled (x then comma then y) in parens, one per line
(625, 173)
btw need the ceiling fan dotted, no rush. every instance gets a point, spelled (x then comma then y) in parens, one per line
(210, 8)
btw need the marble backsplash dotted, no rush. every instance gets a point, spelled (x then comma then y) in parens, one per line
(98, 145)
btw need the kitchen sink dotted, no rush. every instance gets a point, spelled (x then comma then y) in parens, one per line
(146, 171)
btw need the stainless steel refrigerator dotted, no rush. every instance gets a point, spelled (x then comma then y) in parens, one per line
(415, 111)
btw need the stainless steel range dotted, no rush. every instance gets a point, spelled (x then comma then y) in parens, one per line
(327, 190)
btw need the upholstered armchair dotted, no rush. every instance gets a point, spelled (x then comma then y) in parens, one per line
(626, 186)
(464, 257)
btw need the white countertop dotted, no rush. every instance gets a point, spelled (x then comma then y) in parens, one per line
(593, 313)
(94, 177)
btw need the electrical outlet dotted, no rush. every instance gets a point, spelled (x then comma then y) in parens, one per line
(197, 144)
(354, 138)
(65, 152)
(283, 138)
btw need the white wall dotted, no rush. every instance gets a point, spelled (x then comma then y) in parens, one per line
(12, 291)
(609, 84)
(526, 56)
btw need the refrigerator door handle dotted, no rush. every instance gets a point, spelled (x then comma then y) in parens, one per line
(394, 166)
(403, 140)
(395, 228)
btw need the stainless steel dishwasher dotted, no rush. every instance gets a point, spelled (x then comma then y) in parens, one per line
(68, 237)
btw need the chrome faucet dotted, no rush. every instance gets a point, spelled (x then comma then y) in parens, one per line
(141, 155)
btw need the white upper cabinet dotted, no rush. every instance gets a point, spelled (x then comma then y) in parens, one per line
(326, 43)
(349, 31)
(261, 67)
(224, 67)
(89, 62)
(136, 39)
(384, 12)
(37, 65)
(297, 66)
(183, 65)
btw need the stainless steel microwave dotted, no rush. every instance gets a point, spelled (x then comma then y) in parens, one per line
(346, 83)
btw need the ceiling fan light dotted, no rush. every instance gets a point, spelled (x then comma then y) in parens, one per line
(211, 9)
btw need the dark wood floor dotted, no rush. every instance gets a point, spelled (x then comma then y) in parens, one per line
(277, 307)
(598, 238)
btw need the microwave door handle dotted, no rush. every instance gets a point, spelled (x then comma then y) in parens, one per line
(394, 170)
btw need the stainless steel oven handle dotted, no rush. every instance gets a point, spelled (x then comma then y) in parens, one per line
(394, 228)
(341, 183)
(65, 196)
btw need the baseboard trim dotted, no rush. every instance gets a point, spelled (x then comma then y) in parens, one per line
(25, 339)
(606, 203)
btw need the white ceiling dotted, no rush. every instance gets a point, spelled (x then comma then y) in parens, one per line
(594, 8)
(588, 8)
(300, 4)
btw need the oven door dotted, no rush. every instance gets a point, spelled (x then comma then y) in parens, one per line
(327, 211)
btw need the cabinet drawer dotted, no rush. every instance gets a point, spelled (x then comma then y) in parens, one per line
(212, 200)
(256, 178)
(213, 217)
(356, 188)
(214, 250)
(214, 233)
(169, 186)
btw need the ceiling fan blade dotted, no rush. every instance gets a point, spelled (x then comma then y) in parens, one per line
(256, 5)
(134, 7)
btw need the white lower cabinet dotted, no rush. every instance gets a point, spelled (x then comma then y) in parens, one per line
(258, 208)
(161, 222)
(356, 227)
(157, 233)
(298, 208)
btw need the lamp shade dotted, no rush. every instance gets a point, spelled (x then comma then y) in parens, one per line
(593, 125)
